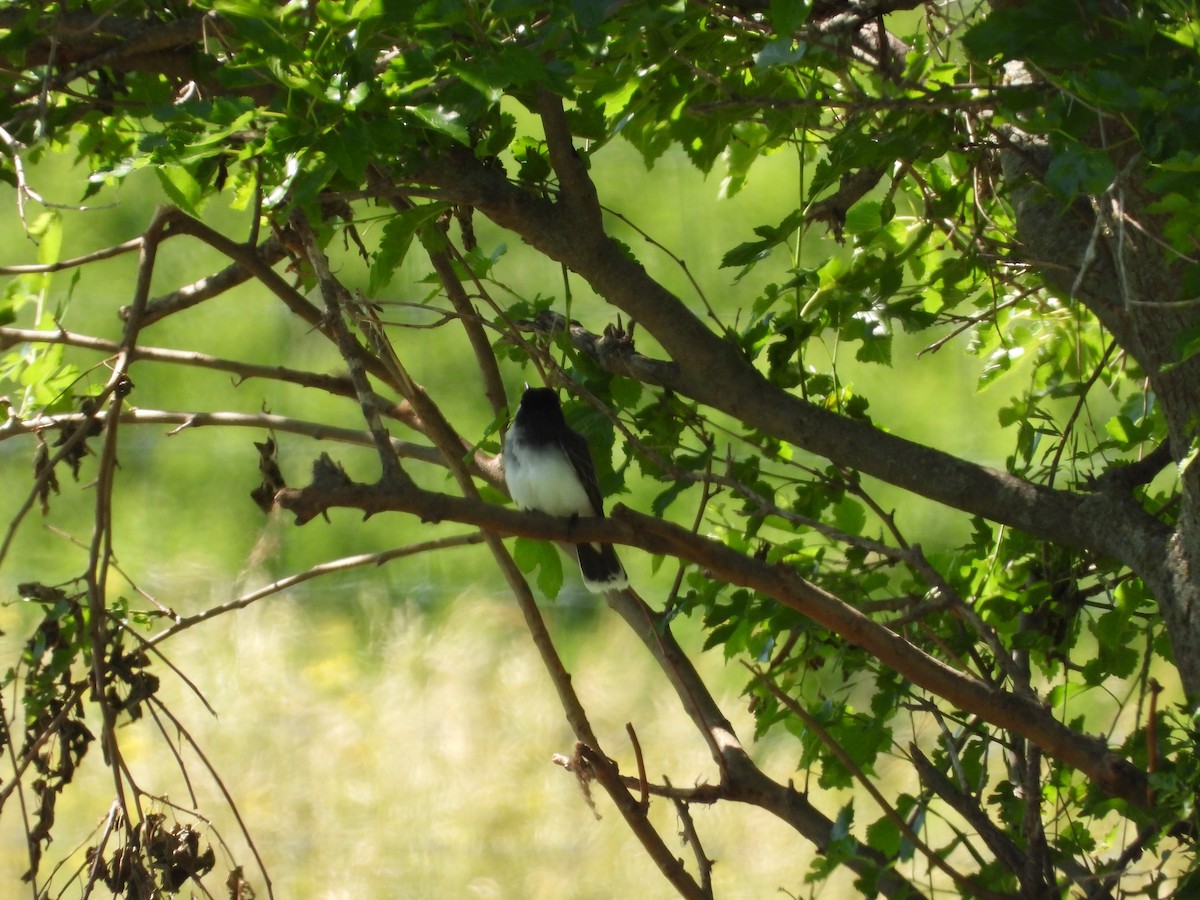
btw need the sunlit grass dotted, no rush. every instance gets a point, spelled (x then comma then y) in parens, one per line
(399, 754)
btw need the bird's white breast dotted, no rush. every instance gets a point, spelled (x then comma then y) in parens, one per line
(542, 478)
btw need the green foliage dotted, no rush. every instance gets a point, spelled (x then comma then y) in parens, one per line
(538, 556)
(387, 127)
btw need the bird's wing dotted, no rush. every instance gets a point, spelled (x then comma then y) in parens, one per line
(575, 446)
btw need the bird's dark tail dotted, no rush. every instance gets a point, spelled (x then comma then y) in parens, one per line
(601, 569)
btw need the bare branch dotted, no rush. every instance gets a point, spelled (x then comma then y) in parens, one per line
(1108, 771)
(333, 384)
(337, 565)
(220, 783)
(692, 838)
(335, 300)
(270, 252)
(75, 262)
(712, 370)
(186, 420)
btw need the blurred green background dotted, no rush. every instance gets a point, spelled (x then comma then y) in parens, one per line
(387, 732)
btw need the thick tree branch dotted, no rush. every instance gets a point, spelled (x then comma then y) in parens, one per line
(1108, 252)
(81, 42)
(713, 371)
(578, 197)
(1108, 771)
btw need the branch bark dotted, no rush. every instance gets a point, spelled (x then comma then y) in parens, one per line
(712, 371)
(1108, 771)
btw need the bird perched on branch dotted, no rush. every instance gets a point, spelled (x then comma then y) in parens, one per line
(548, 468)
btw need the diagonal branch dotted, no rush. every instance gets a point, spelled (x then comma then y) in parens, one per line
(449, 444)
(1108, 771)
(714, 372)
(336, 300)
(337, 565)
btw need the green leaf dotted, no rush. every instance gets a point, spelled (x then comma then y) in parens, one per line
(550, 573)
(1187, 344)
(1079, 170)
(998, 363)
(498, 137)
(529, 555)
(664, 499)
(350, 147)
(514, 66)
(50, 379)
(1123, 430)
(864, 217)
(442, 120)
(788, 15)
(876, 337)
(883, 835)
(749, 253)
(394, 244)
(741, 154)
(533, 158)
(47, 230)
(183, 189)
(850, 516)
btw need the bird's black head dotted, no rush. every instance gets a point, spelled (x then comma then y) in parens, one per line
(541, 403)
(540, 417)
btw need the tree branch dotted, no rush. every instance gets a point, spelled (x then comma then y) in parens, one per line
(578, 197)
(1108, 771)
(186, 420)
(337, 565)
(268, 253)
(714, 372)
(338, 385)
(741, 779)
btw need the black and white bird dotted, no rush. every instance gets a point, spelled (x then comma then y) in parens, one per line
(548, 468)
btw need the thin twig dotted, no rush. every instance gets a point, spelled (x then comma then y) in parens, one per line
(337, 565)
(95, 256)
(644, 792)
(691, 837)
(336, 305)
(110, 822)
(179, 763)
(333, 384)
(229, 801)
(100, 551)
(189, 420)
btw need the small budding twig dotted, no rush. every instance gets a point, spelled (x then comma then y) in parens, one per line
(644, 799)
(692, 838)
(1152, 734)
